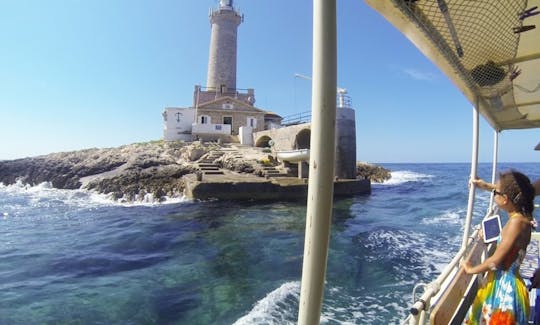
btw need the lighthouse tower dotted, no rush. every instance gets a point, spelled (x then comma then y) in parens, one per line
(345, 137)
(222, 58)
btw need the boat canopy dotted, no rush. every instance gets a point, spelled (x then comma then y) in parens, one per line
(490, 49)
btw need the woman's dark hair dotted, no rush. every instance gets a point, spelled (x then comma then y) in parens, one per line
(519, 190)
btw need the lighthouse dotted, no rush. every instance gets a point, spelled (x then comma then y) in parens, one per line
(220, 111)
(224, 22)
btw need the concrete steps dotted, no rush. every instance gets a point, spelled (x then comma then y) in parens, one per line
(212, 157)
(210, 169)
(207, 165)
(270, 171)
(212, 172)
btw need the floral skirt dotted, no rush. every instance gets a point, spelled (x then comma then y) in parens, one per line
(503, 299)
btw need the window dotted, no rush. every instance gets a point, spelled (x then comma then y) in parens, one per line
(227, 120)
(252, 122)
(205, 119)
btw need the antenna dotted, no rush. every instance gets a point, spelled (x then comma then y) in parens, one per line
(340, 91)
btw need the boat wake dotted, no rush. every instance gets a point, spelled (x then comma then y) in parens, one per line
(404, 176)
(270, 309)
(280, 307)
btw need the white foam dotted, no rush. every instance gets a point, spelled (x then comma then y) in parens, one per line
(398, 243)
(448, 217)
(268, 310)
(403, 176)
(363, 309)
(41, 193)
(271, 310)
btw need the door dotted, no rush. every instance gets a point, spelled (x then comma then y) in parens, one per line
(228, 120)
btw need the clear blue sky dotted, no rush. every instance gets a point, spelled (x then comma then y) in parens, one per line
(82, 74)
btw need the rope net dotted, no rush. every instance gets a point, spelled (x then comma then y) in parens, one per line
(479, 37)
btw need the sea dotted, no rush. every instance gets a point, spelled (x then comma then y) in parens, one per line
(77, 257)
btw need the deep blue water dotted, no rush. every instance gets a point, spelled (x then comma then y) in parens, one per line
(73, 257)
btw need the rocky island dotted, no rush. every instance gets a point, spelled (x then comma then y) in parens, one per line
(154, 170)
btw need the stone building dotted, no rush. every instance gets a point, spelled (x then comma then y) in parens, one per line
(228, 111)
(220, 110)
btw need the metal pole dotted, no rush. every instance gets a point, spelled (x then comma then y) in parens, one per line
(494, 168)
(413, 319)
(474, 167)
(321, 164)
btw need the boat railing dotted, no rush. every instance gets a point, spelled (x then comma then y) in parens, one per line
(453, 291)
(449, 289)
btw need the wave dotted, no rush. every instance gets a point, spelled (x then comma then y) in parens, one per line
(45, 193)
(404, 176)
(366, 308)
(419, 251)
(447, 217)
(269, 310)
(279, 307)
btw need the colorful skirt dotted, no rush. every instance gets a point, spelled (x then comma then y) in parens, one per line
(503, 299)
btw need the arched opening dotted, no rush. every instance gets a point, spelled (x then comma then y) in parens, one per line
(263, 142)
(302, 139)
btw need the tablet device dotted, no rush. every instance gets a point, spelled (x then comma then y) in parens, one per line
(491, 227)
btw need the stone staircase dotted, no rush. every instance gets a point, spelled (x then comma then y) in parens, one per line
(235, 153)
(272, 171)
(207, 165)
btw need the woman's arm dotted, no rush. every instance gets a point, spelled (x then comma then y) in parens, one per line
(536, 185)
(509, 235)
(480, 183)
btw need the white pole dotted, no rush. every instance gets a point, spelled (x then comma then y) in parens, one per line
(494, 168)
(321, 164)
(474, 167)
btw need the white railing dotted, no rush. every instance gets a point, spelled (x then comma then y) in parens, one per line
(210, 128)
(420, 310)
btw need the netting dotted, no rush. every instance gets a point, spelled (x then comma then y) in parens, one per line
(481, 45)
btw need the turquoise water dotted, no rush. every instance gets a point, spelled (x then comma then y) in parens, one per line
(73, 257)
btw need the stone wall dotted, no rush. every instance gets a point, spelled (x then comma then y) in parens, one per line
(284, 138)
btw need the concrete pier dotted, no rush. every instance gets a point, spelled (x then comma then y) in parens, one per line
(236, 186)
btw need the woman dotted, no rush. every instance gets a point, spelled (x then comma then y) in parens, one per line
(503, 299)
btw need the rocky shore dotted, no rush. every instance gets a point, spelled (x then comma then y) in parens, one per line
(142, 170)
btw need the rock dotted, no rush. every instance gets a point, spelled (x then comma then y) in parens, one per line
(133, 172)
(374, 173)
(195, 151)
(129, 172)
(231, 161)
(135, 183)
(62, 170)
